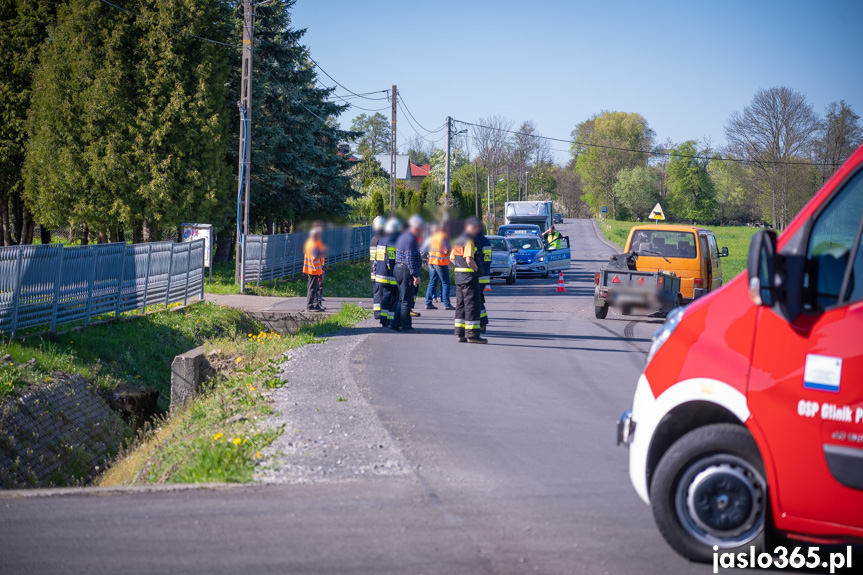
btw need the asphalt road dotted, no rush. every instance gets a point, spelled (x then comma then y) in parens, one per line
(512, 446)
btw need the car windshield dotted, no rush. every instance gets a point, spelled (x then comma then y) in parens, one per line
(498, 245)
(664, 243)
(527, 243)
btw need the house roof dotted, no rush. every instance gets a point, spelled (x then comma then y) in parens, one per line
(420, 170)
(403, 170)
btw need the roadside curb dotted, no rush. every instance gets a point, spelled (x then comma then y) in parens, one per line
(120, 489)
(601, 237)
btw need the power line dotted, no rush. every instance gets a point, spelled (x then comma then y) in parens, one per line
(417, 121)
(417, 131)
(664, 153)
(179, 31)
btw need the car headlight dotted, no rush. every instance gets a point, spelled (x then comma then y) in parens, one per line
(662, 334)
(540, 259)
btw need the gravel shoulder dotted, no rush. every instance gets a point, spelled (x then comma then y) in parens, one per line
(331, 433)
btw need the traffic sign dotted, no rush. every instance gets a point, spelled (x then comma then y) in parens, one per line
(604, 209)
(656, 214)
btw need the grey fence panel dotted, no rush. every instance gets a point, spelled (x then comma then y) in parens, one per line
(281, 255)
(52, 284)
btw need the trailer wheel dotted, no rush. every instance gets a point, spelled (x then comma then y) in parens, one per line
(709, 490)
(600, 311)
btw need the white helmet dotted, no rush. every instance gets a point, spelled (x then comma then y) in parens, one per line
(393, 226)
(378, 223)
(416, 220)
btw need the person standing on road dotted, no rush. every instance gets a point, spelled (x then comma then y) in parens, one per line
(385, 263)
(439, 248)
(313, 266)
(466, 258)
(378, 228)
(484, 275)
(553, 238)
(408, 267)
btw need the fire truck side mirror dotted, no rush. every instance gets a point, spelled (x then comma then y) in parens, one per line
(761, 268)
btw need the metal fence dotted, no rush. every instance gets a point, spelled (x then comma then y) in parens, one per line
(52, 285)
(281, 255)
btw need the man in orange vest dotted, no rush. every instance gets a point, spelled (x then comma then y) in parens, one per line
(313, 267)
(439, 248)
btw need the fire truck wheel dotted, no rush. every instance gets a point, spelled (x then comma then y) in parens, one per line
(709, 489)
(600, 311)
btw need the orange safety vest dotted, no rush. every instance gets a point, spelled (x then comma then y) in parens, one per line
(437, 255)
(313, 257)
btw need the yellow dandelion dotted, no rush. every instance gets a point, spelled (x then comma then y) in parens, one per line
(259, 454)
(239, 359)
(237, 441)
(218, 436)
(251, 388)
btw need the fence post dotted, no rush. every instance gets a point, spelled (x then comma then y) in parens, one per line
(203, 255)
(15, 296)
(188, 261)
(147, 277)
(170, 272)
(58, 280)
(95, 259)
(122, 278)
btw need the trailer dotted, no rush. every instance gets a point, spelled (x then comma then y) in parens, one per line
(619, 284)
(539, 213)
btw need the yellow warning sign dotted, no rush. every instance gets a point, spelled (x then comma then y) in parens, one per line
(656, 214)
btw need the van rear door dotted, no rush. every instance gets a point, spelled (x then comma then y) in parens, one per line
(806, 384)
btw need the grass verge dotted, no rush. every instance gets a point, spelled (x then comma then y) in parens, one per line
(735, 238)
(138, 350)
(220, 436)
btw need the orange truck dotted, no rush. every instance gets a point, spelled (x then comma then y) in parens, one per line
(690, 252)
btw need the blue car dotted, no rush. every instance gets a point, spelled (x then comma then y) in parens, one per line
(534, 257)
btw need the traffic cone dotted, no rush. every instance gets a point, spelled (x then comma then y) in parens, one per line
(560, 287)
(487, 287)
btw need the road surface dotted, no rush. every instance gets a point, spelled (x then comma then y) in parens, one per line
(512, 449)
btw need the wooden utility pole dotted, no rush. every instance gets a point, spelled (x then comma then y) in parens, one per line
(475, 189)
(393, 155)
(245, 155)
(446, 169)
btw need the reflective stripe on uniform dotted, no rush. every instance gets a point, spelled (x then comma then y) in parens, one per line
(376, 307)
(459, 323)
(483, 313)
(485, 279)
(476, 325)
(464, 270)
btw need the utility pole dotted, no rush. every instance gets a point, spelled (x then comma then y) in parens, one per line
(488, 200)
(526, 185)
(475, 190)
(446, 169)
(507, 184)
(393, 155)
(245, 176)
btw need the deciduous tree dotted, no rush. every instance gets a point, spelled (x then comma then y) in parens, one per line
(637, 190)
(375, 130)
(691, 194)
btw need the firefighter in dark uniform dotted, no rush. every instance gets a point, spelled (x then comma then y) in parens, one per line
(484, 274)
(378, 227)
(467, 259)
(385, 264)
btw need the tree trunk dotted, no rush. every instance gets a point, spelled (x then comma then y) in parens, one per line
(137, 233)
(85, 238)
(29, 230)
(121, 235)
(113, 235)
(45, 235)
(103, 237)
(147, 232)
(4, 219)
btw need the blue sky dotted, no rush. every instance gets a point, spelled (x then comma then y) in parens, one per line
(683, 65)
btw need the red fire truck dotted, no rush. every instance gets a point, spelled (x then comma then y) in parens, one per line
(748, 419)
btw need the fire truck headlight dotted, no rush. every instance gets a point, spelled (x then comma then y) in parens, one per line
(663, 333)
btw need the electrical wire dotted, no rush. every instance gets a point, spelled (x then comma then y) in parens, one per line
(127, 11)
(407, 117)
(402, 102)
(664, 153)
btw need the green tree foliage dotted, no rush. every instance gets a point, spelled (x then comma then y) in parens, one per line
(637, 190)
(599, 164)
(373, 133)
(378, 206)
(735, 198)
(691, 192)
(366, 171)
(80, 166)
(24, 25)
(425, 192)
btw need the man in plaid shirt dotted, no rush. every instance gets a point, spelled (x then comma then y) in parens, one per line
(407, 272)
